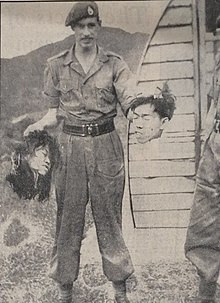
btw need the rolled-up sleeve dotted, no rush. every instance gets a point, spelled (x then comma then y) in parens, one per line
(125, 85)
(51, 93)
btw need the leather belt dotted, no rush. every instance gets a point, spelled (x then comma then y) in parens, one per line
(89, 129)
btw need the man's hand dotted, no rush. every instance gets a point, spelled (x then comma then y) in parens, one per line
(49, 120)
(32, 128)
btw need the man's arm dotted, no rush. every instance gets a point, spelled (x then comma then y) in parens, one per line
(125, 86)
(48, 120)
(51, 96)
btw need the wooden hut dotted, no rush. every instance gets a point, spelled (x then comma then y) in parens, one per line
(161, 189)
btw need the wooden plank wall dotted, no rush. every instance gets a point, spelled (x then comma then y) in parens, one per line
(162, 177)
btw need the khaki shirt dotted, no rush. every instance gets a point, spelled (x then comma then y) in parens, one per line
(92, 96)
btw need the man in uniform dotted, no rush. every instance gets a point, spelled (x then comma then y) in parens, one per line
(202, 245)
(83, 86)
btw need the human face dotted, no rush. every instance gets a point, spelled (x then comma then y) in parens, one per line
(86, 33)
(148, 124)
(39, 161)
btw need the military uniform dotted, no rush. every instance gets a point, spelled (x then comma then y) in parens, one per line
(203, 236)
(92, 165)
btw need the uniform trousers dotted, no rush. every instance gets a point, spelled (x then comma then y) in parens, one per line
(202, 245)
(90, 168)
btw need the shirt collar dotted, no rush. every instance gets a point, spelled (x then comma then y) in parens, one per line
(70, 57)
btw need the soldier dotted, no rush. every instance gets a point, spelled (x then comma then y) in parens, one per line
(83, 86)
(202, 245)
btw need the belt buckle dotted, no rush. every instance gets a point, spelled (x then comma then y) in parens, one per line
(87, 129)
(93, 129)
(90, 129)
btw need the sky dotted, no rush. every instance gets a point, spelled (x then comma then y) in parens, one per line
(26, 26)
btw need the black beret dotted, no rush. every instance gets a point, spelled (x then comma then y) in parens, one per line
(82, 10)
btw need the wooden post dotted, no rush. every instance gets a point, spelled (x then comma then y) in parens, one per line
(199, 73)
(202, 59)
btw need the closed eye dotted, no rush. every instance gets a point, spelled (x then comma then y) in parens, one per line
(146, 117)
(135, 116)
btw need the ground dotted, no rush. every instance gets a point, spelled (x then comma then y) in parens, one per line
(26, 235)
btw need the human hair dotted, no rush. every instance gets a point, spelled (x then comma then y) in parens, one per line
(22, 179)
(36, 139)
(164, 103)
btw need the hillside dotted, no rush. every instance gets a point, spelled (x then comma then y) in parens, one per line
(22, 77)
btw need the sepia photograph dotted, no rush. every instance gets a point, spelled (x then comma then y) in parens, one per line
(110, 151)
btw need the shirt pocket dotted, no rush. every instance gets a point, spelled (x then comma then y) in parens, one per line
(69, 89)
(104, 94)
